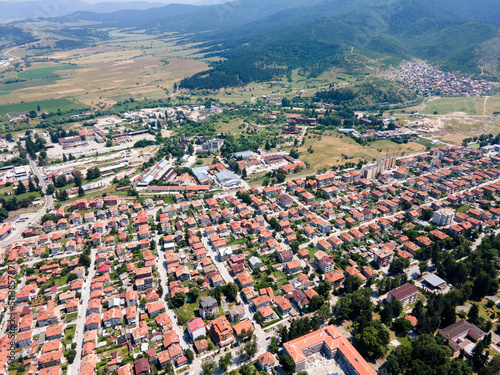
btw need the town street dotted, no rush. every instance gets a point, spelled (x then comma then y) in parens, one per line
(82, 314)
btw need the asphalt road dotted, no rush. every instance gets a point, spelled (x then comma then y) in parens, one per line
(80, 321)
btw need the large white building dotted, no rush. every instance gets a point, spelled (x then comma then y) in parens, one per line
(371, 171)
(443, 217)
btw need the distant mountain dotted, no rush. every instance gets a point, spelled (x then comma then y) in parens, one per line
(148, 19)
(31, 9)
(259, 39)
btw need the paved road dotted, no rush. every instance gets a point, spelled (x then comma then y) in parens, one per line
(80, 321)
(3, 326)
(164, 282)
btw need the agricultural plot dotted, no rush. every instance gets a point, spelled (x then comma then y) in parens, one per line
(53, 105)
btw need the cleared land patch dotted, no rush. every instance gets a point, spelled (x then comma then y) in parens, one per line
(334, 150)
(468, 105)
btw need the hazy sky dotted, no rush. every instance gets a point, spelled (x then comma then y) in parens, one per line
(150, 1)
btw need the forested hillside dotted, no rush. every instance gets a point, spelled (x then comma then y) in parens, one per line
(413, 28)
(258, 39)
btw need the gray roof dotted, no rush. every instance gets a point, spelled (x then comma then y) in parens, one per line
(207, 302)
(201, 173)
(226, 175)
(254, 261)
(244, 154)
(461, 328)
(434, 280)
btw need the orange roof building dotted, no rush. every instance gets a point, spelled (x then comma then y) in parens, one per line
(333, 343)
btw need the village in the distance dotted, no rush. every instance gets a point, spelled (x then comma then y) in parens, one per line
(249, 187)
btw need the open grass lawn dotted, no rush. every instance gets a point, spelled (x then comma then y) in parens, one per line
(231, 126)
(69, 334)
(493, 103)
(71, 316)
(428, 143)
(472, 105)
(201, 162)
(332, 149)
(404, 341)
(6, 189)
(63, 280)
(51, 105)
(312, 252)
(187, 311)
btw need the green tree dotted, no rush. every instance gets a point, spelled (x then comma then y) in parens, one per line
(4, 214)
(194, 293)
(323, 313)
(398, 265)
(386, 314)
(316, 302)
(71, 355)
(427, 214)
(402, 325)
(355, 305)
(473, 314)
(230, 290)
(397, 308)
(208, 367)
(84, 260)
(21, 189)
(493, 367)
(93, 173)
(399, 360)
(78, 179)
(62, 195)
(81, 192)
(324, 288)
(251, 347)
(189, 355)
(273, 345)
(61, 181)
(373, 339)
(225, 361)
(479, 355)
(31, 186)
(287, 364)
(459, 367)
(423, 266)
(178, 299)
(51, 189)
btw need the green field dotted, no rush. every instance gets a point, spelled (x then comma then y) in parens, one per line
(51, 105)
(6, 88)
(470, 105)
(45, 72)
(34, 78)
(428, 143)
